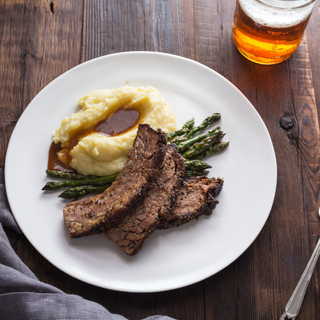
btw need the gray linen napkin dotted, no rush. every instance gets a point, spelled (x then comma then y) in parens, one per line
(23, 296)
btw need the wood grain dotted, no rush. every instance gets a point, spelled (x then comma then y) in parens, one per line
(40, 39)
(38, 42)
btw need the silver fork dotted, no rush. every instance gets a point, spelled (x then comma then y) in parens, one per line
(294, 304)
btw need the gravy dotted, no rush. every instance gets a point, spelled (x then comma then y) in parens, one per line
(119, 122)
(54, 163)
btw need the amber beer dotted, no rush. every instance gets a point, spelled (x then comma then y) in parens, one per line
(269, 31)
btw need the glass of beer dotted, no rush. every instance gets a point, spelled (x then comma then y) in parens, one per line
(269, 31)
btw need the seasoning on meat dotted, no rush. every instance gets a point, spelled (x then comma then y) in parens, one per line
(137, 226)
(196, 196)
(99, 213)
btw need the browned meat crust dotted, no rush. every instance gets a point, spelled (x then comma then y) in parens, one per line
(99, 213)
(176, 181)
(137, 226)
(196, 196)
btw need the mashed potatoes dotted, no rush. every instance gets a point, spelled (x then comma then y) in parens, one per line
(98, 154)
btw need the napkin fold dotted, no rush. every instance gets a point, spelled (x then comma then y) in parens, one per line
(23, 296)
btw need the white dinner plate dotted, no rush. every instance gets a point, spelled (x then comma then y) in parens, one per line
(170, 258)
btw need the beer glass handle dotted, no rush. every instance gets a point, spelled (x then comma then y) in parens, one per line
(294, 304)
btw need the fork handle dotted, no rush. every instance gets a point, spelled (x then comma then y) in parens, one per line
(287, 315)
(294, 304)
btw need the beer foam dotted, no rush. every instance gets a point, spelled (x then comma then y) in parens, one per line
(274, 17)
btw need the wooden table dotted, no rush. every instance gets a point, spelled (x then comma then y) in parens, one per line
(41, 39)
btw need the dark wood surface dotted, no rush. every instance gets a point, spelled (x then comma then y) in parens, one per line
(41, 39)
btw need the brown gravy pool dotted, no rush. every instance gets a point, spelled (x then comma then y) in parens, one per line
(118, 123)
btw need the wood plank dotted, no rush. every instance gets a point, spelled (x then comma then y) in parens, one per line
(184, 32)
(309, 145)
(39, 41)
(314, 226)
(138, 26)
(12, 74)
(314, 49)
(209, 33)
(309, 135)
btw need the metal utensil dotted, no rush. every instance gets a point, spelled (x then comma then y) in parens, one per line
(294, 304)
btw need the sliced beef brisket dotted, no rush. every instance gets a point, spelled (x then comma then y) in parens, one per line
(196, 196)
(137, 226)
(99, 213)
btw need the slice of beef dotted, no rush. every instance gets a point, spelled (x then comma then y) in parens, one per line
(104, 211)
(137, 226)
(196, 196)
(171, 185)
